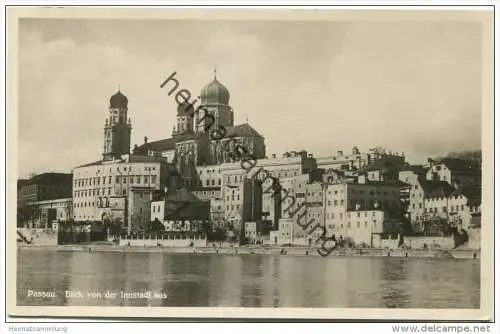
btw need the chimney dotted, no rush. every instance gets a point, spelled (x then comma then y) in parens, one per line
(358, 206)
(340, 153)
(145, 140)
(274, 156)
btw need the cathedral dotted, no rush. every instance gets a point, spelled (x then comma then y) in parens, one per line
(191, 145)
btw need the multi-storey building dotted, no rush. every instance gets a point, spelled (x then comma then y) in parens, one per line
(291, 164)
(43, 187)
(356, 160)
(243, 203)
(353, 209)
(191, 146)
(40, 188)
(464, 173)
(271, 201)
(214, 196)
(119, 175)
(52, 211)
(454, 205)
(180, 210)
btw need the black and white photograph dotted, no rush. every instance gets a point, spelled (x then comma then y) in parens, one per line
(310, 164)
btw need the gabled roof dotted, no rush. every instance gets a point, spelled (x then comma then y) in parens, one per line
(473, 195)
(434, 188)
(182, 204)
(460, 165)
(182, 196)
(51, 179)
(166, 144)
(390, 183)
(131, 159)
(417, 169)
(242, 130)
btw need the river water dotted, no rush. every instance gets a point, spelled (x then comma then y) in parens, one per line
(121, 279)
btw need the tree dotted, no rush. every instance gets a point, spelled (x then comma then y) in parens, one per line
(157, 226)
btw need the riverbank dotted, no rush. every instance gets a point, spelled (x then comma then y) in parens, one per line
(270, 250)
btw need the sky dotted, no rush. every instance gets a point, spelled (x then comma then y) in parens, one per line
(321, 86)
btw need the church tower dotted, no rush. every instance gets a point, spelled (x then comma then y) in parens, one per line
(185, 113)
(116, 128)
(215, 101)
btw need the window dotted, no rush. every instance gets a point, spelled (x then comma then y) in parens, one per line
(153, 178)
(349, 224)
(117, 179)
(462, 207)
(366, 224)
(359, 215)
(139, 179)
(208, 182)
(146, 179)
(444, 209)
(357, 224)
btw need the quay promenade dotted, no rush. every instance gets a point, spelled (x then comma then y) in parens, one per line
(227, 249)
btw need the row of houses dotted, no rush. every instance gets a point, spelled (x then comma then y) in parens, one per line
(364, 204)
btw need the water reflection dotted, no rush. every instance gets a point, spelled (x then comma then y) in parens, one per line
(246, 280)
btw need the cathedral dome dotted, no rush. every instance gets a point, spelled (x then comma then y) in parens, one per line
(215, 93)
(118, 101)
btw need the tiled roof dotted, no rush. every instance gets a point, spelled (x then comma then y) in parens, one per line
(460, 165)
(165, 144)
(417, 169)
(242, 130)
(95, 163)
(433, 188)
(392, 183)
(383, 163)
(51, 179)
(182, 204)
(182, 196)
(131, 159)
(473, 195)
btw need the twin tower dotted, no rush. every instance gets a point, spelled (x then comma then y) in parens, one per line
(117, 127)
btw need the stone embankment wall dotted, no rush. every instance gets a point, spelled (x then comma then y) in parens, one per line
(163, 242)
(38, 237)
